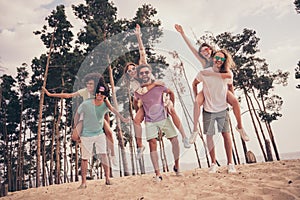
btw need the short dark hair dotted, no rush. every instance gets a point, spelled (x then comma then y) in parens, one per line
(102, 83)
(93, 76)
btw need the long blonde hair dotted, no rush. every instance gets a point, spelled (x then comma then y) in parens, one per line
(228, 63)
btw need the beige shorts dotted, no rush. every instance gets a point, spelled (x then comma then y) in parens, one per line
(165, 126)
(88, 144)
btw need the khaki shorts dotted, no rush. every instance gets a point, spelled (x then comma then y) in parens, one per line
(88, 144)
(165, 126)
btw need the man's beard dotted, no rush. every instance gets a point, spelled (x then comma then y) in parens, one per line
(146, 80)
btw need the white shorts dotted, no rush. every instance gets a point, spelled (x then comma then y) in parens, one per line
(88, 144)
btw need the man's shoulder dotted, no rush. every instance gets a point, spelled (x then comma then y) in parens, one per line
(87, 102)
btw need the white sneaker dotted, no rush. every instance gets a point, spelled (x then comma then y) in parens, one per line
(231, 168)
(177, 171)
(243, 134)
(186, 143)
(213, 168)
(139, 152)
(157, 179)
(113, 160)
(193, 137)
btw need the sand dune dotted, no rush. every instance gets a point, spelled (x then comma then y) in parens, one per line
(272, 180)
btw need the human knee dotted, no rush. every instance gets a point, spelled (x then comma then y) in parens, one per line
(152, 144)
(172, 111)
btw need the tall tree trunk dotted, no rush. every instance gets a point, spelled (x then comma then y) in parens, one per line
(76, 161)
(38, 150)
(139, 162)
(162, 149)
(57, 133)
(66, 179)
(71, 162)
(254, 125)
(271, 135)
(30, 161)
(118, 124)
(19, 166)
(23, 149)
(234, 150)
(52, 146)
(187, 115)
(7, 154)
(181, 66)
(44, 159)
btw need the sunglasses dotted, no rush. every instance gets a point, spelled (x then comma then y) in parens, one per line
(220, 58)
(100, 93)
(204, 49)
(145, 72)
(131, 70)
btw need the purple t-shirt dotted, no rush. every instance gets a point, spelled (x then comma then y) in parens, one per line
(153, 104)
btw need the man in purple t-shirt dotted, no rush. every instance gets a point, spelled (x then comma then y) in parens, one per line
(156, 117)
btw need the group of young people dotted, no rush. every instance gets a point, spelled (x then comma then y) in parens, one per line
(153, 103)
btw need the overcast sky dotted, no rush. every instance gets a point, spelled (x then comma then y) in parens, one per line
(275, 22)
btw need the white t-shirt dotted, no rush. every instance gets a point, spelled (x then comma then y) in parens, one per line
(215, 91)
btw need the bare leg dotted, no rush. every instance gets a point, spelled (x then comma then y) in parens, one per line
(232, 100)
(228, 146)
(109, 136)
(154, 155)
(177, 121)
(105, 164)
(211, 148)
(175, 150)
(198, 103)
(78, 128)
(84, 166)
(137, 127)
(77, 131)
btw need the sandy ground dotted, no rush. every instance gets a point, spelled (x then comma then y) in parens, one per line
(272, 180)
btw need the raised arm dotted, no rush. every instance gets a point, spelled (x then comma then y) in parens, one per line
(113, 110)
(189, 44)
(143, 58)
(223, 75)
(60, 95)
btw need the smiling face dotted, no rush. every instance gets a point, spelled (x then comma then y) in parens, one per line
(131, 71)
(90, 85)
(99, 96)
(145, 74)
(206, 51)
(219, 59)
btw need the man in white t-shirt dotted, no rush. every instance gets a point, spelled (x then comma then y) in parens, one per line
(215, 107)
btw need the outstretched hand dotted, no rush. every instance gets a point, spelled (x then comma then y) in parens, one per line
(179, 28)
(137, 30)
